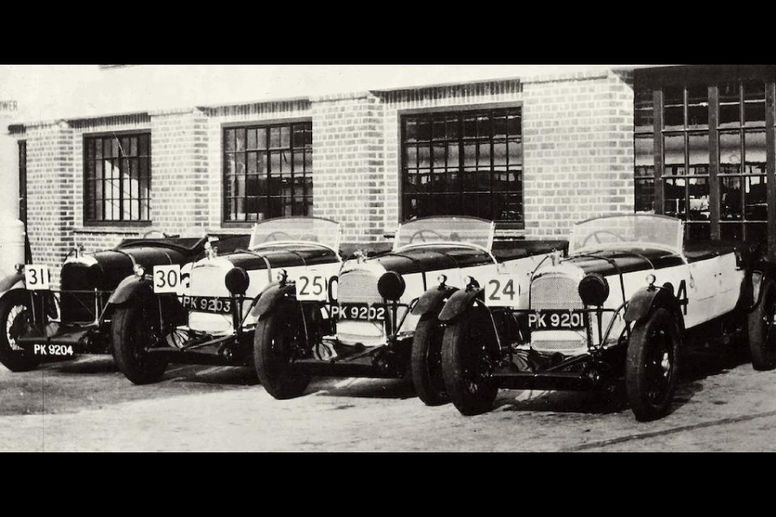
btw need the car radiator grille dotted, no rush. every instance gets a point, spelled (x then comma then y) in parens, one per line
(208, 281)
(555, 291)
(358, 286)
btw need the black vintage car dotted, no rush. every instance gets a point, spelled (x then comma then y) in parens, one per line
(41, 323)
(623, 305)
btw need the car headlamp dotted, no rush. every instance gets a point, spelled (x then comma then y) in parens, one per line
(391, 285)
(442, 279)
(593, 289)
(470, 282)
(139, 270)
(237, 280)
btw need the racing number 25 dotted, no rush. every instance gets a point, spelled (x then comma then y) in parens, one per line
(167, 278)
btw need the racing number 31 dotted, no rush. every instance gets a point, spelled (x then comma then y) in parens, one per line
(167, 278)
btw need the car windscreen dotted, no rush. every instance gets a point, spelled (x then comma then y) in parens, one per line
(296, 229)
(630, 230)
(430, 230)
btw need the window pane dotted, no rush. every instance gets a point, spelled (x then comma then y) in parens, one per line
(756, 199)
(674, 197)
(697, 106)
(731, 231)
(729, 105)
(754, 103)
(730, 198)
(729, 153)
(754, 152)
(698, 153)
(756, 232)
(673, 108)
(673, 154)
(698, 193)
(698, 231)
(644, 112)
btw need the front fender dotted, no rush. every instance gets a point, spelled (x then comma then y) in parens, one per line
(458, 303)
(11, 280)
(432, 300)
(646, 300)
(130, 288)
(270, 297)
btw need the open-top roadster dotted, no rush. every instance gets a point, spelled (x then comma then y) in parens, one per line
(382, 320)
(39, 322)
(213, 319)
(624, 303)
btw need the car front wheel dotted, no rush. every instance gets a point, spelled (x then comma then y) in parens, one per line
(762, 334)
(426, 362)
(651, 365)
(132, 336)
(466, 363)
(14, 314)
(274, 343)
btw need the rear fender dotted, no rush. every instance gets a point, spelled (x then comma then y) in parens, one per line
(433, 300)
(647, 300)
(270, 297)
(458, 303)
(129, 289)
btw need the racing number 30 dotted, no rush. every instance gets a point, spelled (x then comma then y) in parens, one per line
(167, 278)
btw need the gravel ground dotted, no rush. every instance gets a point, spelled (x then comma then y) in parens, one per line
(721, 404)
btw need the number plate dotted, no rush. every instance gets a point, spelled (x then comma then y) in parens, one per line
(50, 350)
(358, 311)
(213, 304)
(311, 285)
(556, 320)
(167, 279)
(37, 278)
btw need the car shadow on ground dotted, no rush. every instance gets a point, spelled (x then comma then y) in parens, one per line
(697, 364)
(360, 387)
(198, 374)
(86, 365)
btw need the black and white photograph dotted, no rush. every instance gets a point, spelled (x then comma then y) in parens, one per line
(388, 258)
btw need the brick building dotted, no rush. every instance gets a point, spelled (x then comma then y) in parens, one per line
(535, 153)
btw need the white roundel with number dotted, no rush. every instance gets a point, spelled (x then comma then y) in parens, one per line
(37, 278)
(167, 278)
(501, 290)
(312, 285)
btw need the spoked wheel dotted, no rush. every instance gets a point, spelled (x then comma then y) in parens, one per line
(652, 365)
(762, 331)
(133, 335)
(278, 335)
(426, 362)
(467, 363)
(14, 317)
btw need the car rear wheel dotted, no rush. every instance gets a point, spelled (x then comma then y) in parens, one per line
(762, 334)
(651, 365)
(426, 361)
(14, 315)
(466, 363)
(133, 335)
(274, 343)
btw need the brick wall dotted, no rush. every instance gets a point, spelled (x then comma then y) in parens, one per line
(50, 193)
(348, 148)
(578, 150)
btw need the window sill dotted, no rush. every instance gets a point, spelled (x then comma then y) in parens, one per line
(127, 229)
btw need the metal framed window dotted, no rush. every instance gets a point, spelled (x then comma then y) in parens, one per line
(463, 163)
(268, 171)
(704, 150)
(117, 178)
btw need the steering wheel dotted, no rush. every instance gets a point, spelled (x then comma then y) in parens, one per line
(595, 234)
(275, 234)
(419, 234)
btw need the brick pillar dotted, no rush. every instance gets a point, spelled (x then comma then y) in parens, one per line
(349, 180)
(179, 175)
(578, 150)
(50, 194)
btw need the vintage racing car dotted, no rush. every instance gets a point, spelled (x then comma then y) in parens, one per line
(212, 320)
(40, 323)
(624, 303)
(381, 320)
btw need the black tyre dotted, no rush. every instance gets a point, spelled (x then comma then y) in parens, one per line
(762, 334)
(652, 364)
(133, 335)
(426, 361)
(466, 360)
(14, 315)
(274, 343)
